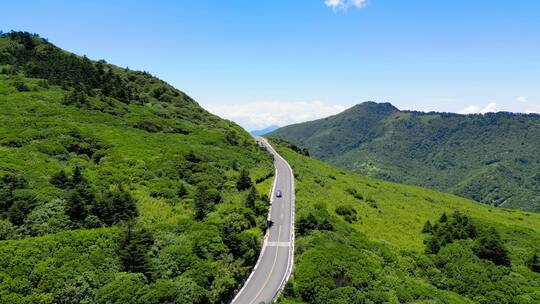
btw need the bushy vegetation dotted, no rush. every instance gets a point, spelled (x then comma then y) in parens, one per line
(492, 158)
(407, 244)
(117, 188)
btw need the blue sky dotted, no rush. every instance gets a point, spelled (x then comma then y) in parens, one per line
(262, 62)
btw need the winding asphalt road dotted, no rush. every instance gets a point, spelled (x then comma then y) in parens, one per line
(276, 259)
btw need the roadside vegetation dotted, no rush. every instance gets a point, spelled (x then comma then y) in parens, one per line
(117, 188)
(364, 240)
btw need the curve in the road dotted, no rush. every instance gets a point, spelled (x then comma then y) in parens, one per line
(274, 266)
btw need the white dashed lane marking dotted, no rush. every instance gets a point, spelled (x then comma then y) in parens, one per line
(278, 244)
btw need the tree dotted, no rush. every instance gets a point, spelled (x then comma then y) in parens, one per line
(133, 249)
(182, 191)
(76, 98)
(92, 221)
(76, 208)
(8, 184)
(60, 180)
(489, 246)
(443, 218)
(180, 291)
(232, 138)
(125, 288)
(534, 263)
(125, 205)
(427, 227)
(200, 203)
(205, 199)
(457, 226)
(251, 199)
(115, 205)
(49, 217)
(6, 229)
(232, 226)
(77, 176)
(23, 203)
(244, 181)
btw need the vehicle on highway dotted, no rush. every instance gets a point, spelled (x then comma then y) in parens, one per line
(278, 193)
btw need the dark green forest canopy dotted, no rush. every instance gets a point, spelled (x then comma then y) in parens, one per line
(492, 158)
(104, 172)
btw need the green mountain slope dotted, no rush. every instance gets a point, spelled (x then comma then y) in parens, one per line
(360, 240)
(117, 188)
(492, 158)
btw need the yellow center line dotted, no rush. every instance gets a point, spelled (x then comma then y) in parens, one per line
(271, 270)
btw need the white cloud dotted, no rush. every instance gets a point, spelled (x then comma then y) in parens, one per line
(489, 108)
(345, 4)
(529, 106)
(261, 114)
(522, 99)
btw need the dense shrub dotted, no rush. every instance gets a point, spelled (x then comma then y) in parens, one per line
(347, 212)
(315, 219)
(355, 193)
(21, 86)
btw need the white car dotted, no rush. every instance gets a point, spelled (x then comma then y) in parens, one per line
(278, 193)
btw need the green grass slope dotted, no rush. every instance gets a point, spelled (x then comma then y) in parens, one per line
(492, 158)
(360, 240)
(117, 188)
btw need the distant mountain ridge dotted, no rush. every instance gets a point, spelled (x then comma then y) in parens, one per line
(493, 158)
(264, 131)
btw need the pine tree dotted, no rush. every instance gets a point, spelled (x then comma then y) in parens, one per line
(200, 203)
(133, 249)
(427, 227)
(76, 97)
(125, 207)
(115, 205)
(252, 199)
(60, 180)
(182, 191)
(457, 226)
(443, 218)
(534, 263)
(77, 177)
(76, 208)
(490, 247)
(244, 181)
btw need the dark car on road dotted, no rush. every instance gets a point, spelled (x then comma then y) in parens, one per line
(278, 193)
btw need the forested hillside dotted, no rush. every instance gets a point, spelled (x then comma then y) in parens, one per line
(492, 158)
(117, 188)
(364, 240)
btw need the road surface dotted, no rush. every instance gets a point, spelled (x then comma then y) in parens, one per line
(276, 259)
